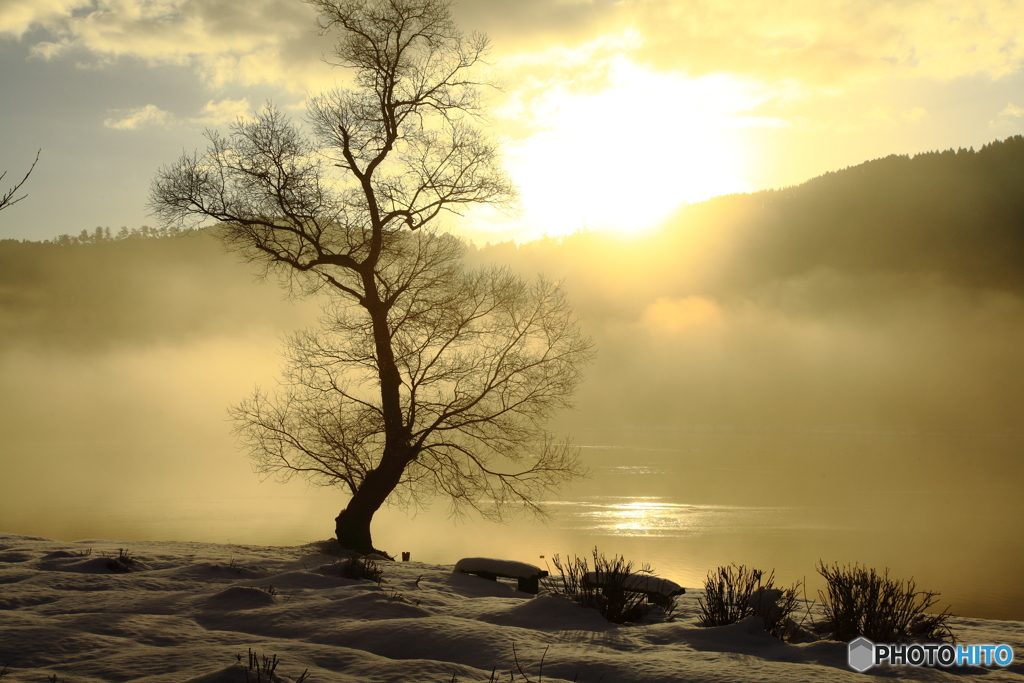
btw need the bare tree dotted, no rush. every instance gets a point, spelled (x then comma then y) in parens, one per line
(428, 378)
(7, 199)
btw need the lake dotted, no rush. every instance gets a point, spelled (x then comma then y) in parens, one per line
(943, 508)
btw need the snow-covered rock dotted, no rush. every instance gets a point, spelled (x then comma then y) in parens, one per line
(488, 565)
(528, 575)
(640, 583)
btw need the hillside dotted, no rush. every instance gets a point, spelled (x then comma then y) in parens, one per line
(92, 295)
(958, 214)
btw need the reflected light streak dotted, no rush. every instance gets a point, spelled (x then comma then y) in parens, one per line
(657, 517)
(641, 518)
(654, 517)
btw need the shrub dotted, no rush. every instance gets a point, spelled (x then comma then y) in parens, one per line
(736, 592)
(362, 568)
(608, 595)
(861, 602)
(264, 668)
(123, 563)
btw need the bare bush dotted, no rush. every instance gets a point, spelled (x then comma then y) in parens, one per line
(861, 602)
(610, 588)
(264, 668)
(123, 563)
(735, 592)
(361, 568)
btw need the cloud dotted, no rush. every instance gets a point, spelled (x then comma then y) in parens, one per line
(832, 42)
(18, 16)
(528, 25)
(836, 41)
(821, 42)
(223, 112)
(141, 117)
(1012, 110)
(213, 114)
(245, 42)
(1008, 118)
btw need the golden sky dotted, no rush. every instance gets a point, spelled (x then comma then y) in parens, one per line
(611, 115)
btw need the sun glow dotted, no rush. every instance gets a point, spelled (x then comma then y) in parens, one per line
(623, 157)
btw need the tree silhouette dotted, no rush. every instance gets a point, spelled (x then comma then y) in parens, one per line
(428, 378)
(7, 199)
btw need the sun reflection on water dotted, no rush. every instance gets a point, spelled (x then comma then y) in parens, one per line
(658, 517)
(638, 517)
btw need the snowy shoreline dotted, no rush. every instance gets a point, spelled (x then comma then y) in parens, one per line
(186, 610)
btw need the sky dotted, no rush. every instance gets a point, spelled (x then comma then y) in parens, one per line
(611, 114)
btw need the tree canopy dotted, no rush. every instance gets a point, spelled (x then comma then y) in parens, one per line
(427, 377)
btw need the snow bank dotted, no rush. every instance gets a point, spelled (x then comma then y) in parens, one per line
(194, 608)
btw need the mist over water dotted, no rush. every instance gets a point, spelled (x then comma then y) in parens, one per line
(761, 395)
(686, 502)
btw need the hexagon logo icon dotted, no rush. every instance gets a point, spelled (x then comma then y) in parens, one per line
(862, 654)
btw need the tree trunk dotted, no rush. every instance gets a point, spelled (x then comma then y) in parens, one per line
(352, 525)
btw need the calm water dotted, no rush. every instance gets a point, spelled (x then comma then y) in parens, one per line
(942, 508)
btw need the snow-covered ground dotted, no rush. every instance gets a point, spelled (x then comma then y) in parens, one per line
(192, 611)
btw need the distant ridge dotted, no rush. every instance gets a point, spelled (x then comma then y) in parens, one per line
(957, 215)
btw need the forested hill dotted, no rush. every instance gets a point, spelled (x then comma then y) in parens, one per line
(957, 215)
(95, 291)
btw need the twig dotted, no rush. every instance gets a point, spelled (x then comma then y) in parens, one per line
(5, 199)
(540, 673)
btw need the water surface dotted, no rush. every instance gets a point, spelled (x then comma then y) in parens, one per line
(939, 507)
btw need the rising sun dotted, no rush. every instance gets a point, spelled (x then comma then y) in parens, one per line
(623, 157)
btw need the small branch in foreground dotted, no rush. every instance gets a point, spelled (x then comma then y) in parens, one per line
(5, 200)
